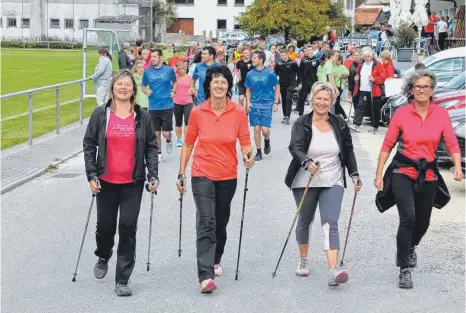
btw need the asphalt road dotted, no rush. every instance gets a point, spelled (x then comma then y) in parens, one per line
(43, 220)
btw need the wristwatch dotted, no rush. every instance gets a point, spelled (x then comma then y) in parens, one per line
(181, 176)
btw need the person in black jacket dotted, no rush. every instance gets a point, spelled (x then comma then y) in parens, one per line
(124, 61)
(322, 137)
(307, 76)
(287, 70)
(118, 144)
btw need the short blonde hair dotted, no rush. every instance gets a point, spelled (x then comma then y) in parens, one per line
(386, 54)
(319, 86)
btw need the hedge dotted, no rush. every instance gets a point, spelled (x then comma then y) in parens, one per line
(41, 45)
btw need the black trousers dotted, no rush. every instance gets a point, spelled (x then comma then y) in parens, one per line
(364, 102)
(441, 40)
(414, 209)
(126, 197)
(213, 203)
(338, 108)
(286, 93)
(303, 93)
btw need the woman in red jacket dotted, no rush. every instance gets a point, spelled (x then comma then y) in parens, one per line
(415, 178)
(386, 57)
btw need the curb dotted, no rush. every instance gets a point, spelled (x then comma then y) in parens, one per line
(38, 173)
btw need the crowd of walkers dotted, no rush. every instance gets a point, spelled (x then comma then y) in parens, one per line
(123, 146)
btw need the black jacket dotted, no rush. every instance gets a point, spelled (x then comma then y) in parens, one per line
(287, 72)
(124, 61)
(307, 73)
(385, 199)
(301, 136)
(95, 143)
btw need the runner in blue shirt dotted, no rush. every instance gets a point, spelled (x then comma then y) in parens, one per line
(208, 57)
(262, 95)
(161, 79)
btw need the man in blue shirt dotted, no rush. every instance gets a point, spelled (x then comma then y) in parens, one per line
(161, 79)
(208, 60)
(262, 95)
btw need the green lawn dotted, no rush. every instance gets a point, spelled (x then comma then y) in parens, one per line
(26, 69)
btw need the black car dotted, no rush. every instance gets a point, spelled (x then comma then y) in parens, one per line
(458, 121)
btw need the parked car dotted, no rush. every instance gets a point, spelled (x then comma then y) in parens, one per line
(456, 83)
(273, 39)
(460, 134)
(457, 120)
(249, 40)
(231, 40)
(445, 64)
(451, 100)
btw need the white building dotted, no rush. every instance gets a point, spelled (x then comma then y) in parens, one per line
(65, 19)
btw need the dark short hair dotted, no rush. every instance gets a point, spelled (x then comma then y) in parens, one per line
(260, 55)
(158, 51)
(139, 42)
(216, 71)
(283, 51)
(211, 51)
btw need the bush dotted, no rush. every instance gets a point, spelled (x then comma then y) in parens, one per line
(405, 36)
(41, 45)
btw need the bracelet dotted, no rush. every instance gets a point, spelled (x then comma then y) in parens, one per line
(181, 176)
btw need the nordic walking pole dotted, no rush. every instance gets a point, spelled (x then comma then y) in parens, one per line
(372, 110)
(242, 220)
(84, 236)
(181, 221)
(294, 220)
(150, 224)
(349, 227)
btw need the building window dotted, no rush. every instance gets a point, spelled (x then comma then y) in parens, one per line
(349, 4)
(25, 23)
(11, 22)
(185, 2)
(239, 2)
(237, 26)
(222, 2)
(221, 24)
(69, 23)
(83, 24)
(54, 23)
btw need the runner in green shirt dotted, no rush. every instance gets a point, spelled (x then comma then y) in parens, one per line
(340, 73)
(138, 71)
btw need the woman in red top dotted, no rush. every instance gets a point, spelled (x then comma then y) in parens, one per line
(216, 124)
(119, 144)
(415, 179)
(386, 57)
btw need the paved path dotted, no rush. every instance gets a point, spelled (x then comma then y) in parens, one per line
(43, 220)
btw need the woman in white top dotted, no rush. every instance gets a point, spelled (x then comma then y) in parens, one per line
(442, 30)
(102, 76)
(323, 137)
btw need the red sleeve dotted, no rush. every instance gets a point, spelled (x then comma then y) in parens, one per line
(448, 134)
(243, 132)
(379, 74)
(389, 70)
(394, 129)
(193, 129)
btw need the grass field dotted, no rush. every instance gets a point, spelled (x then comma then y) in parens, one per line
(27, 69)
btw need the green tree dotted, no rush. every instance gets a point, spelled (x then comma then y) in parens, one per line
(297, 18)
(338, 19)
(164, 15)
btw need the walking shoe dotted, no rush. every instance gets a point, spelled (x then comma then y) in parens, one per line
(258, 156)
(267, 147)
(405, 279)
(208, 285)
(169, 147)
(287, 121)
(179, 142)
(302, 269)
(412, 258)
(372, 129)
(123, 290)
(283, 120)
(100, 268)
(218, 270)
(354, 127)
(337, 277)
(160, 158)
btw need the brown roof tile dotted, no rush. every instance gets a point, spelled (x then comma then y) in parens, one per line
(366, 16)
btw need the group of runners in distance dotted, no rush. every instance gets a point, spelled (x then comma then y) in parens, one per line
(123, 146)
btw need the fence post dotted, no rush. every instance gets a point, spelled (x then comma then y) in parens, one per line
(81, 109)
(58, 110)
(30, 120)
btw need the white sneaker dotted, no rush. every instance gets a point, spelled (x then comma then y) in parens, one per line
(302, 269)
(169, 147)
(218, 270)
(160, 158)
(354, 127)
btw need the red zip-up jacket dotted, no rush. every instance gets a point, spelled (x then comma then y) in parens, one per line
(389, 69)
(378, 72)
(420, 138)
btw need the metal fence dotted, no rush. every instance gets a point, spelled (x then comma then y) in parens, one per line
(30, 93)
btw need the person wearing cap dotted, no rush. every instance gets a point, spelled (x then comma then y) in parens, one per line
(124, 61)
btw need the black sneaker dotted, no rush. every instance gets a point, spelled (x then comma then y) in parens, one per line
(258, 156)
(283, 120)
(123, 290)
(287, 121)
(267, 147)
(100, 268)
(412, 258)
(405, 279)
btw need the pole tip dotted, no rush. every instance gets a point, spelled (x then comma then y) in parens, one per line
(147, 267)
(74, 279)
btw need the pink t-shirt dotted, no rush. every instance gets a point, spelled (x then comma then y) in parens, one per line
(121, 143)
(182, 90)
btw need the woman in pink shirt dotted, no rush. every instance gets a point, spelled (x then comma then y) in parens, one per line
(183, 100)
(413, 181)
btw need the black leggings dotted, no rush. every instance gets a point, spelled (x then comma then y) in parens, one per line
(182, 110)
(213, 201)
(126, 198)
(286, 93)
(338, 108)
(415, 209)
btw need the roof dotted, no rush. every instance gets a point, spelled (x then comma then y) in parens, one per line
(117, 19)
(377, 2)
(366, 16)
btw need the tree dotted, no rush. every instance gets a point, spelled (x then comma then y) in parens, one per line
(297, 18)
(338, 19)
(164, 15)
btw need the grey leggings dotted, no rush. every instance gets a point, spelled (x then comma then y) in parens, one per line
(329, 200)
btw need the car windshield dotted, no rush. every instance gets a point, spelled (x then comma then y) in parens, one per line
(426, 61)
(456, 83)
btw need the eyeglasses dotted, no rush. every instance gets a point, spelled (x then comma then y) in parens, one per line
(424, 88)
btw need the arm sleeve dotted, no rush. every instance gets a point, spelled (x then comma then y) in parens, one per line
(100, 70)
(196, 74)
(448, 134)
(151, 151)
(193, 129)
(90, 144)
(394, 129)
(172, 75)
(348, 148)
(244, 136)
(247, 83)
(144, 80)
(379, 74)
(297, 146)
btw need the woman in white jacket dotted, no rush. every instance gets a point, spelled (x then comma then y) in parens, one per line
(102, 76)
